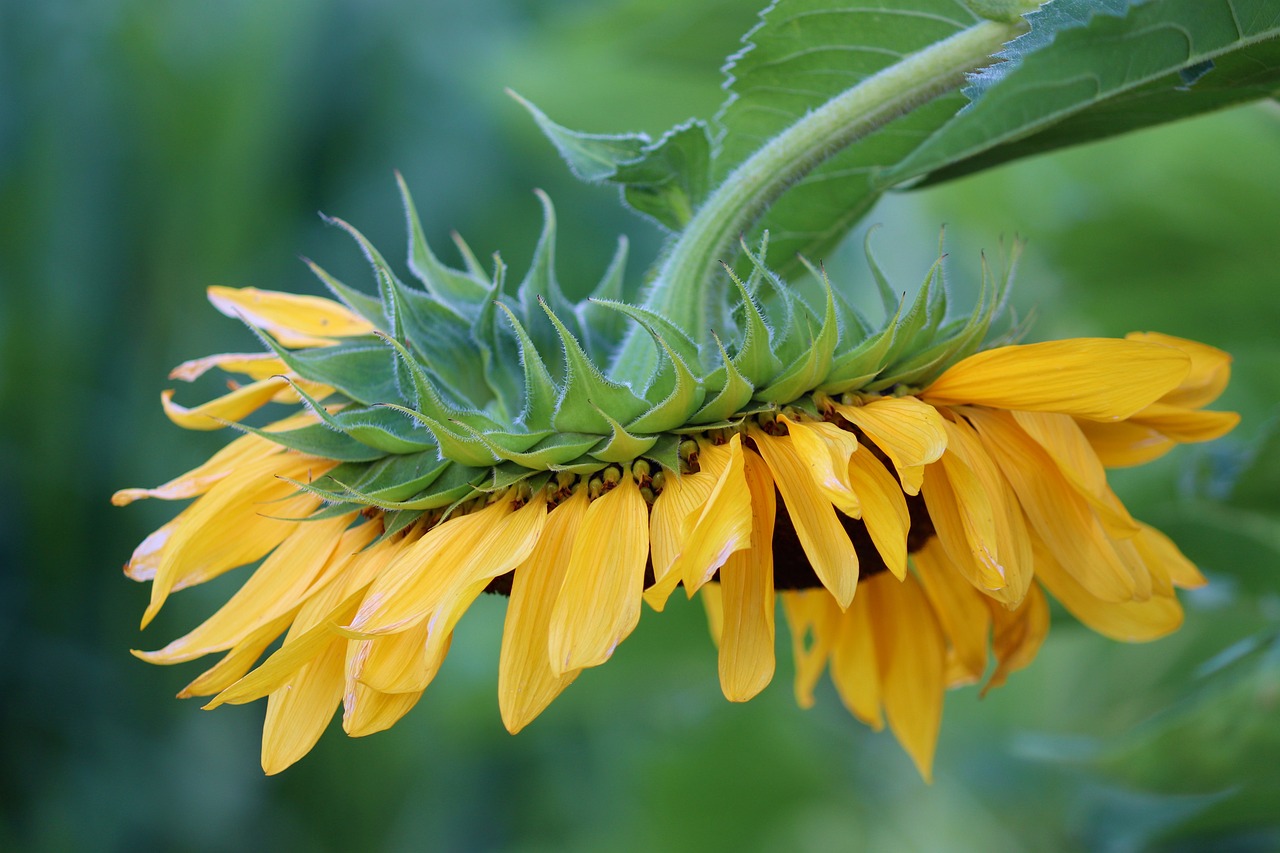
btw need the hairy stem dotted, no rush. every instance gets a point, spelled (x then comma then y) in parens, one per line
(679, 289)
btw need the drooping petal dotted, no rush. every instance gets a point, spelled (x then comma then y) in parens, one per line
(713, 606)
(964, 520)
(911, 656)
(747, 659)
(239, 520)
(1098, 378)
(813, 618)
(721, 528)
(300, 711)
(854, 667)
(1128, 621)
(146, 558)
(397, 663)
(238, 660)
(1064, 441)
(1057, 512)
(1017, 635)
(961, 610)
(526, 682)
(292, 319)
(908, 431)
(367, 711)
(1210, 370)
(277, 586)
(823, 537)
(884, 510)
(681, 496)
(826, 449)
(1159, 549)
(599, 603)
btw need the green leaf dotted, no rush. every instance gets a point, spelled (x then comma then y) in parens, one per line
(1090, 69)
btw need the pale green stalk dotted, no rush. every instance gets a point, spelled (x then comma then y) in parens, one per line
(678, 291)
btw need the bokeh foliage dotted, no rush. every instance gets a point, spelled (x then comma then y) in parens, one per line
(148, 150)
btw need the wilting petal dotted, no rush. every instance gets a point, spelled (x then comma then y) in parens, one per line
(238, 521)
(813, 617)
(367, 711)
(277, 586)
(257, 365)
(1129, 621)
(747, 598)
(1017, 635)
(884, 510)
(599, 603)
(1098, 378)
(721, 528)
(1210, 370)
(961, 610)
(908, 431)
(293, 320)
(826, 449)
(1061, 517)
(146, 559)
(1158, 549)
(911, 655)
(397, 663)
(300, 711)
(1125, 443)
(1186, 425)
(526, 682)
(713, 606)
(681, 496)
(231, 407)
(854, 668)
(823, 537)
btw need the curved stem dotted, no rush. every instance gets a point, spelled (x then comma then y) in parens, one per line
(678, 290)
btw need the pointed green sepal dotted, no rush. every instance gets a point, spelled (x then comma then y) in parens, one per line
(755, 359)
(621, 445)
(812, 367)
(733, 390)
(586, 387)
(540, 392)
(456, 288)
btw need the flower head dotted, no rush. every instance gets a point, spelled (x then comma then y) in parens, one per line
(908, 495)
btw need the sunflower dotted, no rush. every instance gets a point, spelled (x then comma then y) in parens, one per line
(909, 495)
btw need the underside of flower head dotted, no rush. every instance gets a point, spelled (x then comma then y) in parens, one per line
(908, 488)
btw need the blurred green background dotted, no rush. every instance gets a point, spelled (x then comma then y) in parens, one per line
(149, 149)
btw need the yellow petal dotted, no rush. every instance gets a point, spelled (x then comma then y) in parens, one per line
(813, 618)
(821, 534)
(1066, 444)
(300, 711)
(1097, 378)
(713, 606)
(1012, 543)
(965, 521)
(1158, 549)
(1017, 635)
(237, 662)
(668, 532)
(1125, 444)
(1059, 515)
(238, 521)
(908, 431)
(826, 449)
(747, 657)
(961, 610)
(911, 655)
(277, 586)
(231, 407)
(722, 527)
(1210, 370)
(854, 669)
(257, 365)
(293, 320)
(1128, 621)
(1186, 425)
(367, 711)
(599, 603)
(884, 510)
(526, 683)
(447, 560)
(146, 559)
(398, 663)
